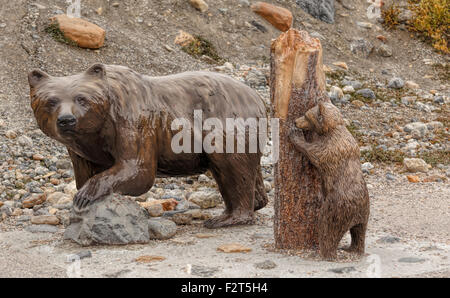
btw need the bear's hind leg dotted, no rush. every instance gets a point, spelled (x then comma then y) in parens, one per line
(330, 234)
(358, 234)
(235, 175)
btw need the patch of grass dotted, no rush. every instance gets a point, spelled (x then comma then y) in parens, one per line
(337, 74)
(443, 71)
(432, 21)
(382, 156)
(202, 47)
(57, 34)
(355, 133)
(390, 17)
(435, 157)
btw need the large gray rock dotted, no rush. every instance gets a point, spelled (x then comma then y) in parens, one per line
(319, 9)
(113, 220)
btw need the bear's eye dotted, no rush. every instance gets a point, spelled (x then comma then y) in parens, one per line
(52, 102)
(81, 100)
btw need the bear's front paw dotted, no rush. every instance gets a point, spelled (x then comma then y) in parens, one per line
(296, 135)
(86, 196)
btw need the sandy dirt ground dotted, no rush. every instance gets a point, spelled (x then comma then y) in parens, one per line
(407, 237)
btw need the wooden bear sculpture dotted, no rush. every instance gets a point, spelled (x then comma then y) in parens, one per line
(335, 154)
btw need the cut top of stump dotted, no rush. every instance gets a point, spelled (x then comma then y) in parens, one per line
(296, 60)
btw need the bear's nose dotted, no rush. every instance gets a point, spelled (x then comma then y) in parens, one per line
(66, 121)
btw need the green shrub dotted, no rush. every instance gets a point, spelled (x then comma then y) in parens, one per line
(432, 20)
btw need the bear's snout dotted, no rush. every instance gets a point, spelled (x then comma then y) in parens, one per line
(66, 122)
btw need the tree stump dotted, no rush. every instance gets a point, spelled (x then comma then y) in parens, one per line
(297, 84)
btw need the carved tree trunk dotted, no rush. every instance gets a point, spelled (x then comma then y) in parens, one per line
(297, 84)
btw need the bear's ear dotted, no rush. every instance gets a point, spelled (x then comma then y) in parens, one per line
(321, 117)
(97, 70)
(322, 108)
(36, 76)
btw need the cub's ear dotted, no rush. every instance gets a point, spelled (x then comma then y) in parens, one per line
(36, 76)
(322, 108)
(97, 70)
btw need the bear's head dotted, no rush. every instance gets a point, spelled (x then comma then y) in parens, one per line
(67, 108)
(322, 118)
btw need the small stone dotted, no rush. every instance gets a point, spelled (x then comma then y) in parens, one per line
(155, 210)
(341, 270)
(366, 167)
(42, 229)
(45, 220)
(204, 235)
(411, 85)
(116, 4)
(281, 18)
(199, 5)
(203, 178)
(384, 51)
(161, 228)
(85, 34)
(365, 25)
(36, 199)
(70, 189)
(206, 199)
(38, 156)
(11, 134)
(149, 259)
(53, 198)
(233, 248)
(17, 212)
(408, 100)
(382, 38)
(267, 186)
(366, 93)
(198, 214)
(182, 218)
(266, 265)
(348, 89)
(25, 141)
(361, 47)
(414, 165)
(357, 103)
(203, 271)
(322, 10)
(413, 179)
(336, 93)
(84, 254)
(420, 128)
(184, 38)
(411, 260)
(389, 239)
(167, 204)
(434, 125)
(396, 83)
(341, 64)
(390, 177)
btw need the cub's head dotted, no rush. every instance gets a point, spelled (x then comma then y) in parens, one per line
(69, 107)
(322, 118)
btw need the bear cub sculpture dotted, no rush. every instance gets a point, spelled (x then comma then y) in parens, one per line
(335, 154)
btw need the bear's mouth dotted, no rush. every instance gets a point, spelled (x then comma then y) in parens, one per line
(66, 132)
